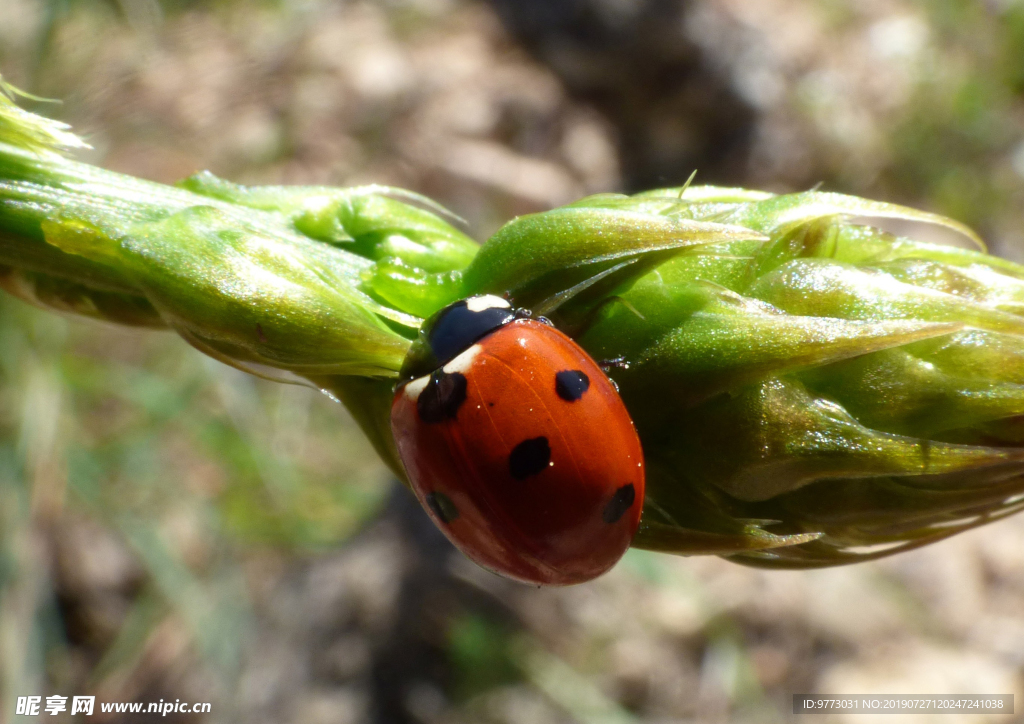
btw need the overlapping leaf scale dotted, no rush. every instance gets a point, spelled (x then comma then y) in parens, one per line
(60, 294)
(285, 302)
(418, 257)
(689, 342)
(825, 288)
(538, 258)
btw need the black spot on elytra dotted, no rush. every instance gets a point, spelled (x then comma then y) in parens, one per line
(619, 504)
(529, 457)
(441, 399)
(442, 506)
(571, 384)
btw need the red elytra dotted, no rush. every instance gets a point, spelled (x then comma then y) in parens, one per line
(523, 453)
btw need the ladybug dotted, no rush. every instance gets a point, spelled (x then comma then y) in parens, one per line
(517, 444)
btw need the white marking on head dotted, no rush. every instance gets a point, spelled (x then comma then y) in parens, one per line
(461, 363)
(486, 301)
(414, 388)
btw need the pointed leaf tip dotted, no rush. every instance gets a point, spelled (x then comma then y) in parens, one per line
(30, 131)
(552, 243)
(778, 214)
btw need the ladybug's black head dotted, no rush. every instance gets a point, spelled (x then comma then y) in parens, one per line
(453, 330)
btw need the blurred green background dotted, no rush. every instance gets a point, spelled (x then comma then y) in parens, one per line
(173, 529)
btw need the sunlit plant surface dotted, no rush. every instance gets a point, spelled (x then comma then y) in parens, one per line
(809, 390)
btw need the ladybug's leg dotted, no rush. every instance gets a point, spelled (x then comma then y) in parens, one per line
(618, 363)
(528, 314)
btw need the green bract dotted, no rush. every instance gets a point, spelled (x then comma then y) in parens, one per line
(809, 390)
